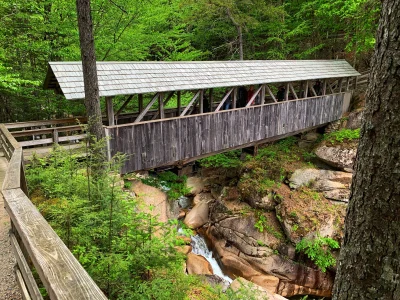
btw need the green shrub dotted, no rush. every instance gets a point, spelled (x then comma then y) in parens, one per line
(230, 159)
(342, 135)
(319, 251)
(174, 184)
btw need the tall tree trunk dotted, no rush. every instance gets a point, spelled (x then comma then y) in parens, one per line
(239, 31)
(92, 98)
(369, 264)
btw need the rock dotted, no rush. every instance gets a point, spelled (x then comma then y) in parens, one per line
(338, 195)
(151, 200)
(304, 144)
(355, 119)
(311, 136)
(198, 216)
(202, 197)
(196, 185)
(256, 292)
(303, 177)
(229, 194)
(181, 215)
(327, 185)
(337, 156)
(320, 180)
(184, 202)
(215, 280)
(197, 264)
(185, 249)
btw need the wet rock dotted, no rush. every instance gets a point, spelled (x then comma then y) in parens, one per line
(197, 264)
(198, 216)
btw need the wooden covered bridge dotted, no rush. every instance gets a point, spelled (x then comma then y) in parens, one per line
(312, 93)
(162, 136)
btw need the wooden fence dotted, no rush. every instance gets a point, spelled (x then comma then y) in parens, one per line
(178, 140)
(34, 241)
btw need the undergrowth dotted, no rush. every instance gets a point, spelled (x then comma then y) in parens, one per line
(172, 184)
(319, 251)
(342, 135)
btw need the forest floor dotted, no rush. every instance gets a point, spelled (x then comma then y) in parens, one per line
(8, 286)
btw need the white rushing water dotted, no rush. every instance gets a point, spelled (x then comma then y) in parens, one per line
(199, 247)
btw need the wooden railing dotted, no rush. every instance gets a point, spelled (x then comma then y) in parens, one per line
(180, 140)
(35, 243)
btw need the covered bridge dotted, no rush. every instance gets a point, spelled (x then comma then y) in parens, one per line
(283, 98)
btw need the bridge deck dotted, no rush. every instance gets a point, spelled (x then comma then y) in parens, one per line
(8, 284)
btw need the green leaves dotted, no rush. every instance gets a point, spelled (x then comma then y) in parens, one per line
(319, 251)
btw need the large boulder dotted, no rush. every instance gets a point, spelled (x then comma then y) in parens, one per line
(196, 185)
(338, 156)
(198, 216)
(248, 288)
(151, 200)
(197, 264)
(263, 257)
(334, 185)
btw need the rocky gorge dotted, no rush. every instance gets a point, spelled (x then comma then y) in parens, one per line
(252, 215)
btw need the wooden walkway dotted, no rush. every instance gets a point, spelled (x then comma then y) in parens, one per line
(8, 285)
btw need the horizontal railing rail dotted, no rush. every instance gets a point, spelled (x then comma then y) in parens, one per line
(35, 243)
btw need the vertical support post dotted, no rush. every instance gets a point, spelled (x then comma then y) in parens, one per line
(140, 97)
(161, 105)
(324, 87)
(340, 84)
(347, 84)
(211, 99)
(306, 90)
(178, 101)
(262, 95)
(287, 92)
(234, 100)
(110, 111)
(55, 136)
(201, 102)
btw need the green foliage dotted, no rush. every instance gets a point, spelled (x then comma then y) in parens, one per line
(105, 229)
(342, 135)
(230, 159)
(319, 251)
(262, 225)
(174, 185)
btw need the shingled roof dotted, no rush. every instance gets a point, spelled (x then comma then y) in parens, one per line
(127, 78)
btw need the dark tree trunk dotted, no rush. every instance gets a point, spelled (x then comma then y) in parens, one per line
(92, 98)
(369, 264)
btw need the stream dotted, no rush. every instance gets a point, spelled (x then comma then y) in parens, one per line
(199, 247)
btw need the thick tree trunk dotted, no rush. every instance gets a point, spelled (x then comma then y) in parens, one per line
(369, 264)
(92, 98)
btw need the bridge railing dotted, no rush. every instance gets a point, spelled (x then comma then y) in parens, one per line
(35, 243)
(176, 141)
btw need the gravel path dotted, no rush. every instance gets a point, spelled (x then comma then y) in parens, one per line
(8, 286)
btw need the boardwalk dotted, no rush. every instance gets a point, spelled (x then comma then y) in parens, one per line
(8, 286)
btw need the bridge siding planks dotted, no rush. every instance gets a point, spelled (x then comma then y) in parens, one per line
(157, 143)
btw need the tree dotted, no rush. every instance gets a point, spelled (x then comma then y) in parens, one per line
(92, 98)
(369, 264)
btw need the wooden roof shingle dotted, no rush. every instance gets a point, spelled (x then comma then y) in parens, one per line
(124, 78)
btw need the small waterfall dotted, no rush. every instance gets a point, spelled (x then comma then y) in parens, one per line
(199, 247)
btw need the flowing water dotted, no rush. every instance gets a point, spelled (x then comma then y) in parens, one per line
(199, 247)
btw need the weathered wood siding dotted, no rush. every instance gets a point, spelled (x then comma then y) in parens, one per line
(163, 142)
